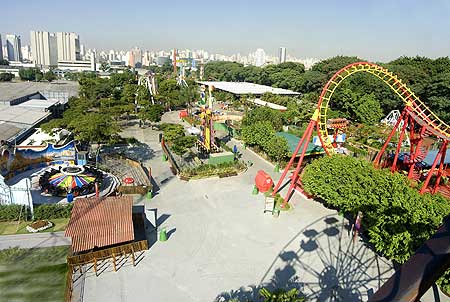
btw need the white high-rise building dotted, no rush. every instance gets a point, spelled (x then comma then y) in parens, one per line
(13, 48)
(26, 53)
(1, 48)
(260, 57)
(82, 51)
(68, 47)
(282, 55)
(43, 48)
(111, 55)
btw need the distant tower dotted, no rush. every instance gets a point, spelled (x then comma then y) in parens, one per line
(1, 48)
(260, 57)
(282, 55)
(174, 61)
(13, 48)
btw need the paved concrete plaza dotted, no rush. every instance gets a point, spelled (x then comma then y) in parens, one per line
(221, 245)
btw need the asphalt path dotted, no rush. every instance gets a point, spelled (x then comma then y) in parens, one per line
(34, 240)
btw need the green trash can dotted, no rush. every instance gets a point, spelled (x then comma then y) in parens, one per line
(164, 157)
(276, 212)
(276, 168)
(255, 190)
(163, 235)
(149, 194)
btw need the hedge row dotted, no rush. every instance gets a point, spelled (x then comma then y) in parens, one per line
(52, 211)
(397, 219)
(12, 212)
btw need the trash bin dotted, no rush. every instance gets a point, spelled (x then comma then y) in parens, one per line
(276, 212)
(163, 235)
(69, 197)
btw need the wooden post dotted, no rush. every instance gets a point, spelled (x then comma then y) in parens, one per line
(132, 255)
(114, 262)
(95, 266)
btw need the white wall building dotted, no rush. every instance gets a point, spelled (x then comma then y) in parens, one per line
(1, 48)
(44, 48)
(13, 48)
(260, 57)
(26, 53)
(282, 55)
(68, 46)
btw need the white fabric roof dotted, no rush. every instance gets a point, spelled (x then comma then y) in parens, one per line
(247, 88)
(267, 104)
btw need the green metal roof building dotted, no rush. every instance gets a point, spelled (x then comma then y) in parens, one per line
(293, 142)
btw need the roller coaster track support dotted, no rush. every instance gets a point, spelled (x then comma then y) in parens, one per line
(302, 146)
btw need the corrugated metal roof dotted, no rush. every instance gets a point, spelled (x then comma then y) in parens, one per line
(97, 222)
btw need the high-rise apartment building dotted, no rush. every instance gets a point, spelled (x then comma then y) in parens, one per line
(260, 57)
(68, 47)
(43, 48)
(282, 55)
(13, 48)
(26, 53)
(1, 48)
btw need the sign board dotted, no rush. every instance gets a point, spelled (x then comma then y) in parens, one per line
(269, 204)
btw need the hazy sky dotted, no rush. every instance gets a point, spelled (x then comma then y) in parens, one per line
(376, 30)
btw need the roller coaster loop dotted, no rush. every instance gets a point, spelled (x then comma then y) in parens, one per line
(416, 117)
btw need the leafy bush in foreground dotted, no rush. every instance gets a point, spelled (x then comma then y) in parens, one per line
(397, 218)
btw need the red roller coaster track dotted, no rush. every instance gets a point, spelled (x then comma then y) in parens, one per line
(416, 117)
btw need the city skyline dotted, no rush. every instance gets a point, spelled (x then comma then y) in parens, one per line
(377, 31)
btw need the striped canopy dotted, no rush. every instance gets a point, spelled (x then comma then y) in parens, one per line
(70, 181)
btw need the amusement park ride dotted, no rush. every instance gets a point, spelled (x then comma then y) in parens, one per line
(416, 120)
(206, 142)
(148, 80)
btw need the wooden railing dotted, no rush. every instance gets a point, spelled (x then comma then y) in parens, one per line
(107, 253)
(93, 257)
(172, 161)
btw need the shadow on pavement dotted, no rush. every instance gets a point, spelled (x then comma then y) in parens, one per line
(331, 266)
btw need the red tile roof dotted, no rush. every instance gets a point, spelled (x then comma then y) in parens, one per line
(97, 222)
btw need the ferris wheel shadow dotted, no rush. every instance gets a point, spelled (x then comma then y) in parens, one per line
(324, 264)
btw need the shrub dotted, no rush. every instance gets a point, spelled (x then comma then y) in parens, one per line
(444, 282)
(397, 218)
(52, 211)
(12, 212)
(6, 77)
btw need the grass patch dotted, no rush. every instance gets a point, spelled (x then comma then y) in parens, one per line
(33, 274)
(13, 227)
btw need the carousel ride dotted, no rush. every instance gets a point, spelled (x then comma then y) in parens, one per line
(416, 121)
(78, 180)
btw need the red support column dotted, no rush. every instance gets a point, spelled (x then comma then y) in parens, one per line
(417, 150)
(311, 125)
(430, 173)
(388, 140)
(295, 177)
(441, 167)
(399, 145)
